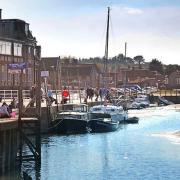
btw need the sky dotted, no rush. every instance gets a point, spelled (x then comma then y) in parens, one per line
(77, 28)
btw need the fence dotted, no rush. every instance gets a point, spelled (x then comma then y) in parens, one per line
(10, 94)
(165, 92)
(75, 95)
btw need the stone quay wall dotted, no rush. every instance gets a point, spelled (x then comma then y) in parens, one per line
(8, 144)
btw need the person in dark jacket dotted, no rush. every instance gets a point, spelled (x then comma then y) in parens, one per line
(4, 111)
(32, 96)
(96, 92)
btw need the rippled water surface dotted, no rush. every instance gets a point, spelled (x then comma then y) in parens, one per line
(144, 151)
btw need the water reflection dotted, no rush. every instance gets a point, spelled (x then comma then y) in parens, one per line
(135, 151)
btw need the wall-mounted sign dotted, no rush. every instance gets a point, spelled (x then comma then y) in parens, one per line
(44, 73)
(16, 67)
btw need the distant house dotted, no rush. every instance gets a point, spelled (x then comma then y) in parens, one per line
(68, 72)
(173, 81)
(17, 45)
(53, 66)
(109, 79)
(142, 77)
(80, 75)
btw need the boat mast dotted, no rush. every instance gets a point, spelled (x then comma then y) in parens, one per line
(106, 50)
(125, 51)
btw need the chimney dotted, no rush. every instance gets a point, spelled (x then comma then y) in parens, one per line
(0, 13)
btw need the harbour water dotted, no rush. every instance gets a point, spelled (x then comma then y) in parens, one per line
(148, 150)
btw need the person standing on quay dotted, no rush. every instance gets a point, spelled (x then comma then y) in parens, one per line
(65, 95)
(51, 99)
(96, 92)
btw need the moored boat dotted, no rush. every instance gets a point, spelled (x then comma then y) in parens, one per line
(132, 120)
(140, 102)
(101, 122)
(117, 113)
(72, 119)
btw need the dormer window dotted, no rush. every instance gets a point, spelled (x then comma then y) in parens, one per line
(26, 29)
(29, 50)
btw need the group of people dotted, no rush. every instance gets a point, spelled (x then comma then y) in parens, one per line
(102, 93)
(6, 111)
(49, 96)
(90, 93)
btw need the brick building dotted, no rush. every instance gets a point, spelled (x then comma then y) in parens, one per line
(68, 72)
(17, 45)
(142, 77)
(53, 67)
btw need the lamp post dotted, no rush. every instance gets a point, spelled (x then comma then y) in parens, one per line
(54, 70)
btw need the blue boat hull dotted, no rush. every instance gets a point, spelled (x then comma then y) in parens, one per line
(102, 126)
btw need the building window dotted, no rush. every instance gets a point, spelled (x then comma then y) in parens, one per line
(9, 59)
(29, 74)
(29, 50)
(16, 79)
(177, 80)
(4, 72)
(5, 47)
(17, 49)
(10, 77)
(34, 53)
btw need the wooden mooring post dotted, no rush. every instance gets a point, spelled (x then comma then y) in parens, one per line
(30, 128)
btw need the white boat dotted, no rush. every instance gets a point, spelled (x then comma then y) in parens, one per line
(140, 102)
(117, 113)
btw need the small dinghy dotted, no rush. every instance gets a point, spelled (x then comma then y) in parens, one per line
(132, 120)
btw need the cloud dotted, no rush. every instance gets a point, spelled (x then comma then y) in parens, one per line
(133, 10)
(151, 32)
(161, 20)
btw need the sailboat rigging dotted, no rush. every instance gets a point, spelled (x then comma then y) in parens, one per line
(105, 118)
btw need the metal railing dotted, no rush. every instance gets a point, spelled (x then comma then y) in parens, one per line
(10, 94)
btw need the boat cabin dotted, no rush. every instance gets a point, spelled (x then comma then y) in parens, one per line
(107, 109)
(75, 107)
